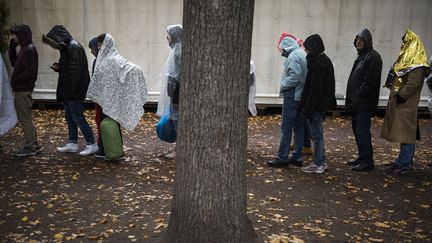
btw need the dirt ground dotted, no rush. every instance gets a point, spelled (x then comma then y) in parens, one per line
(66, 197)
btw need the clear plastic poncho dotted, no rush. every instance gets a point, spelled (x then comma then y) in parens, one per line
(171, 68)
(252, 89)
(8, 117)
(118, 86)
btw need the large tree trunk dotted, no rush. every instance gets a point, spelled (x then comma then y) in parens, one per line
(209, 202)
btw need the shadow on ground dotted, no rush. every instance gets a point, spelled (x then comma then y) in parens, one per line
(67, 197)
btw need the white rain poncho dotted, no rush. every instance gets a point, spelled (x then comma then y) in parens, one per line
(252, 89)
(118, 86)
(8, 117)
(171, 68)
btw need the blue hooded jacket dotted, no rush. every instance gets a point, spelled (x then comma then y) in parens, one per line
(295, 68)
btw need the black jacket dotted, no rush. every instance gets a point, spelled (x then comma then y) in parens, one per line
(74, 76)
(364, 82)
(25, 63)
(319, 90)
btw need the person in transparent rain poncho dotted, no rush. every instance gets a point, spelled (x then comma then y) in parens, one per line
(252, 89)
(8, 116)
(169, 94)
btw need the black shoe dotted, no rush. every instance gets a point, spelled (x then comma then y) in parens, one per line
(364, 166)
(295, 162)
(354, 162)
(99, 154)
(277, 163)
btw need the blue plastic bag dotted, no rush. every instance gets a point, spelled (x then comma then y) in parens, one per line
(165, 129)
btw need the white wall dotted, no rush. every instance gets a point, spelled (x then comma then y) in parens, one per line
(139, 27)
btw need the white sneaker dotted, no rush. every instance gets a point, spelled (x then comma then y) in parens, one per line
(68, 148)
(312, 168)
(90, 149)
(326, 167)
(170, 155)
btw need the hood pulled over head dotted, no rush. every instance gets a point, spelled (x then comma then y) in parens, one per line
(314, 44)
(23, 33)
(57, 37)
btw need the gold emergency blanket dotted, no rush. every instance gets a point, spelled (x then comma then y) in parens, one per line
(412, 55)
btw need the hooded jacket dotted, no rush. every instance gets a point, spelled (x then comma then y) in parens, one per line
(365, 79)
(74, 76)
(295, 68)
(319, 91)
(25, 62)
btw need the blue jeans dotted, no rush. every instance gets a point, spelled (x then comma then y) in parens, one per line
(315, 123)
(74, 116)
(406, 155)
(361, 123)
(307, 136)
(291, 118)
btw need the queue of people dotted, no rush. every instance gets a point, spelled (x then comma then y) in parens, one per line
(307, 85)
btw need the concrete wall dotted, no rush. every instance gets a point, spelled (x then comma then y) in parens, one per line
(139, 27)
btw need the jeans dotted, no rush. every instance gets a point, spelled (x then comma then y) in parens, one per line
(315, 123)
(307, 136)
(361, 123)
(23, 104)
(291, 118)
(74, 116)
(406, 155)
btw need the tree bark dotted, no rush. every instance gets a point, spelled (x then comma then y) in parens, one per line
(209, 201)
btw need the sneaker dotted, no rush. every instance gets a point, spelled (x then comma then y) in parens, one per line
(396, 169)
(171, 155)
(277, 163)
(25, 151)
(312, 168)
(307, 151)
(326, 167)
(89, 150)
(68, 148)
(295, 162)
(99, 154)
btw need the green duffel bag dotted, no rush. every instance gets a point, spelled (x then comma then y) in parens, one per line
(111, 139)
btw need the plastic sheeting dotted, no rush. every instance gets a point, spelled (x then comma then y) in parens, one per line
(139, 26)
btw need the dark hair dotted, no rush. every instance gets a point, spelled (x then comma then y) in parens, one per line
(101, 38)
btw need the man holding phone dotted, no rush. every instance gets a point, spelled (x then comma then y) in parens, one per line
(72, 87)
